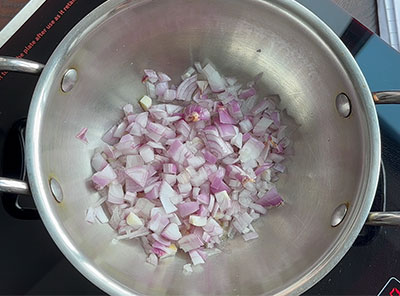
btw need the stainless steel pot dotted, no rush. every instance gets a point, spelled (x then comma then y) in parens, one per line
(331, 180)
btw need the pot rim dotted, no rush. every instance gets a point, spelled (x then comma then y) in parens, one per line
(39, 185)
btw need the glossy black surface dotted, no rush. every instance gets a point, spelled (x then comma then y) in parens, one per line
(30, 263)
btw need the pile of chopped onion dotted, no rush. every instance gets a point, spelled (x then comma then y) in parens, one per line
(194, 170)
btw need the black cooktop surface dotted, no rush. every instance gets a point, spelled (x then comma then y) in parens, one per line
(30, 262)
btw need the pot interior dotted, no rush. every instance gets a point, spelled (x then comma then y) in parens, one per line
(331, 165)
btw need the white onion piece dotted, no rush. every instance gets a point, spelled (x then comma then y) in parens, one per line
(196, 258)
(90, 215)
(147, 153)
(190, 242)
(160, 239)
(161, 88)
(150, 90)
(171, 232)
(245, 126)
(152, 259)
(187, 208)
(104, 177)
(197, 220)
(134, 160)
(109, 138)
(163, 77)
(115, 193)
(250, 235)
(251, 150)
(217, 83)
(98, 162)
(261, 127)
(150, 75)
(188, 268)
(166, 193)
(169, 95)
(142, 118)
(139, 174)
(143, 207)
(120, 130)
(189, 72)
(133, 220)
(128, 109)
(158, 222)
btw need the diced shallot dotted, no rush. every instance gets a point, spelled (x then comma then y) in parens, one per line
(191, 171)
(82, 135)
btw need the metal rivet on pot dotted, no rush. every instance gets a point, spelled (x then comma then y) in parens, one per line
(343, 105)
(69, 80)
(338, 214)
(56, 190)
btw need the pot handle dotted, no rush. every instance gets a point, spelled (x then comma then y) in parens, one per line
(13, 64)
(385, 218)
(20, 65)
(26, 66)
(386, 97)
(8, 185)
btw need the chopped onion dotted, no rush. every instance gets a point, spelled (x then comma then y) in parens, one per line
(187, 208)
(158, 222)
(224, 116)
(197, 220)
(161, 88)
(109, 138)
(194, 113)
(139, 174)
(82, 135)
(150, 75)
(227, 131)
(251, 150)
(188, 268)
(128, 109)
(247, 93)
(250, 235)
(193, 170)
(196, 258)
(171, 232)
(169, 168)
(245, 126)
(104, 177)
(169, 95)
(190, 242)
(262, 125)
(186, 89)
(260, 107)
(163, 77)
(147, 153)
(216, 144)
(271, 199)
(166, 193)
(152, 259)
(115, 194)
(98, 162)
(189, 72)
(215, 80)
